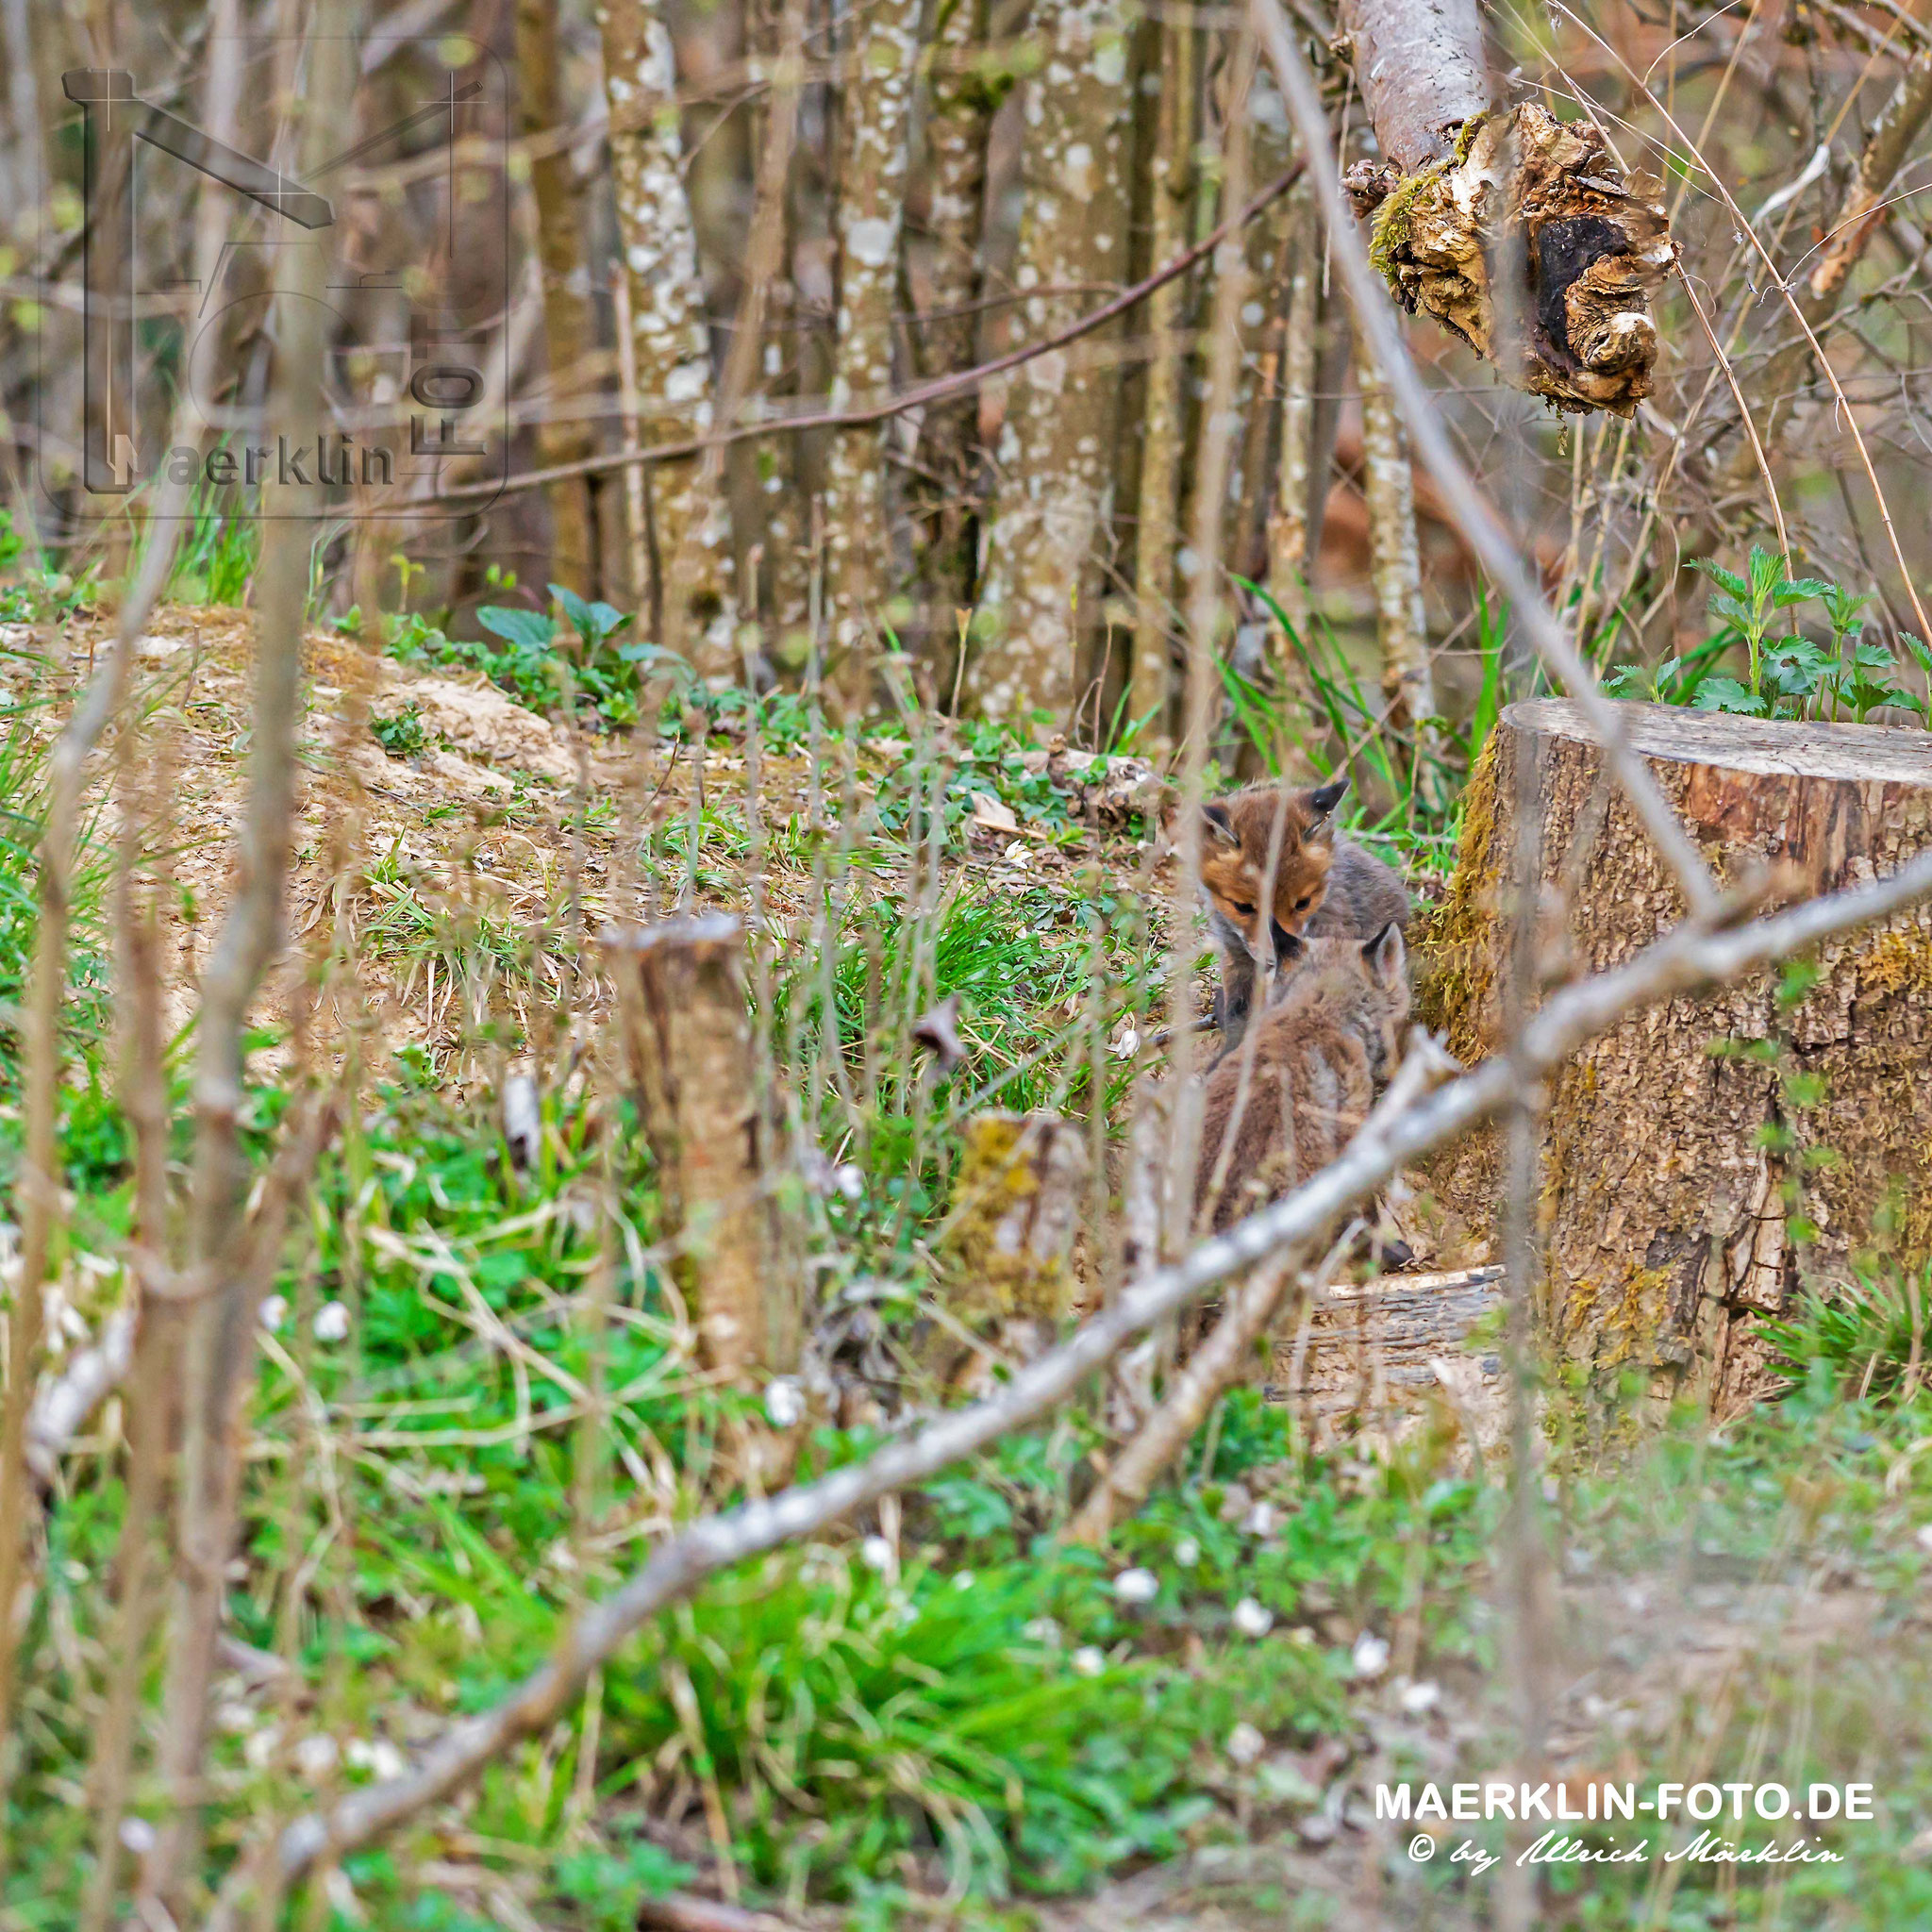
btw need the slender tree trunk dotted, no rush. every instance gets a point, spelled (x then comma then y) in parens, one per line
(669, 332)
(954, 115)
(877, 101)
(564, 436)
(688, 598)
(1151, 671)
(1290, 562)
(1056, 454)
(1394, 566)
(219, 1357)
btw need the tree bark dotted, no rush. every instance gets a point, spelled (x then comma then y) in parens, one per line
(1151, 668)
(1055, 451)
(667, 304)
(1394, 562)
(877, 103)
(1677, 1184)
(954, 112)
(688, 1034)
(564, 435)
(1459, 176)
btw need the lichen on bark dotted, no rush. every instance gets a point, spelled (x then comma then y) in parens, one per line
(669, 330)
(1055, 457)
(877, 106)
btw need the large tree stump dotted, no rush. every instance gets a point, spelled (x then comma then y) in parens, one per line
(688, 1034)
(1677, 1181)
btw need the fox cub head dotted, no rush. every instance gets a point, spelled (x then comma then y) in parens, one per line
(1356, 986)
(1251, 911)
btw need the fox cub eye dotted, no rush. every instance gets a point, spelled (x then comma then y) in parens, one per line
(1243, 910)
(1305, 900)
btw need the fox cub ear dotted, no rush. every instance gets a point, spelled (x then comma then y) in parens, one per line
(1216, 826)
(1321, 804)
(1387, 955)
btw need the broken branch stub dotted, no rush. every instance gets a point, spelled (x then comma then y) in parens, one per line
(1462, 178)
(687, 1038)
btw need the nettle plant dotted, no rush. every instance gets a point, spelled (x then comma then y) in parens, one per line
(1791, 675)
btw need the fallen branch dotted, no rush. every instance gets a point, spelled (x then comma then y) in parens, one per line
(1700, 953)
(941, 389)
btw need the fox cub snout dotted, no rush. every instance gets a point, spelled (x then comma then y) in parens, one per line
(1324, 1048)
(1319, 884)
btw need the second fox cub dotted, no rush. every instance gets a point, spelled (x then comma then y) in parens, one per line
(1324, 884)
(1324, 1048)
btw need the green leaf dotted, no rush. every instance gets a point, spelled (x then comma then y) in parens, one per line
(528, 630)
(1728, 580)
(593, 622)
(1802, 590)
(1733, 612)
(1766, 571)
(1728, 694)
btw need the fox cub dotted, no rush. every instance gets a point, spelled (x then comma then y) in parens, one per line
(1324, 886)
(1324, 1047)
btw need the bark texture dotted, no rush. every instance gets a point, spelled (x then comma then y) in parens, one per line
(1381, 1351)
(1151, 669)
(1394, 562)
(688, 1039)
(669, 334)
(1463, 188)
(564, 435)
(1055, 450)
(1676, 1182)
(877, 111)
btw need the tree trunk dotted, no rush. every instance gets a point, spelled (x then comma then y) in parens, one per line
(1593, 250)
(1162, 436)
(877, 103)
(688, 1034)
(1682, 1196)
(955, 113)
(667, 302)
(1394, 562)
(564, 436)
(1056, 453)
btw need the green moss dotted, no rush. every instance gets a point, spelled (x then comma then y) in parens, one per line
(1455, 945)
(1395, 218)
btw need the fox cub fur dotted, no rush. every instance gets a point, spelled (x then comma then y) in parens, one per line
(1324, 1048)
(1324, 886)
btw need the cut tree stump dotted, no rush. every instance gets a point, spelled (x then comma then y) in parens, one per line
(1677, 1181)
(688, 1035)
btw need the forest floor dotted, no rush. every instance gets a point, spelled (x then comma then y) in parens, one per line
(983, 1733)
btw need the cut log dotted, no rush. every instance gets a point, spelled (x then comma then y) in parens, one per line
(1684, 1187)
(688, 1035)
(1016, 1207)
(1381, 1352)
(1459, 180)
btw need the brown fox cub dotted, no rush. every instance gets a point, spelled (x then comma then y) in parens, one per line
(1324, 885)
(1324, 1047)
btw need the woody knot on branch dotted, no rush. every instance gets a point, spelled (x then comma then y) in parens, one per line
(1464, 187)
